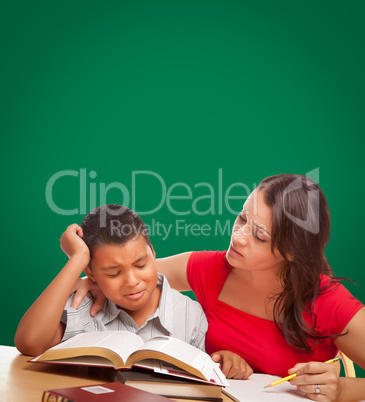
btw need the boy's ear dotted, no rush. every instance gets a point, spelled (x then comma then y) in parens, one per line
(89, 273)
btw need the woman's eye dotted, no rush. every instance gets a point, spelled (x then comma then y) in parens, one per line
(259, 233)
(140, 266)
(242, 218)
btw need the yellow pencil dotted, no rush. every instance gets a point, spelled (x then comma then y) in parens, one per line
(289, 377)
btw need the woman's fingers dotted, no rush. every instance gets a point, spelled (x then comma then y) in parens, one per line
(318, 380)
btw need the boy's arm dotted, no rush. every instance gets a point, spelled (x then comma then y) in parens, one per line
(40, 328)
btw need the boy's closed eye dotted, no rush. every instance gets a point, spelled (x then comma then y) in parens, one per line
(113, 275)
(119, 272)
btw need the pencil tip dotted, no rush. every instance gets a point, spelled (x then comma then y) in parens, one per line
(267, 386)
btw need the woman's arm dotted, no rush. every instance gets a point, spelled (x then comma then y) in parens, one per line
(353, 343)
(40, 328)
(353, 346)
(174, 268)
(332, 387)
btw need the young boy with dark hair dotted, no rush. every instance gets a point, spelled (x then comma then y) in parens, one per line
(113, 247)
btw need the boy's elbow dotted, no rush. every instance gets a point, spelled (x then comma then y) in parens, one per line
(34, 343)
(28, 345)
(29, 349)
(23, 345)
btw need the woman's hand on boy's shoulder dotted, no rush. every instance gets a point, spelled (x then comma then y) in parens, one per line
(72, 243)
(82, 287)
(232, 365)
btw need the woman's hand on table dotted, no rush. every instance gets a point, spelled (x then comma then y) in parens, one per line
(232, 365)
(319, 381)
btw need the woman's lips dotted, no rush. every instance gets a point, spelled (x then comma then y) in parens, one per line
(135, 296)
(234, 251)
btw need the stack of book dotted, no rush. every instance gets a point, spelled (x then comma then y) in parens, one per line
(168, 386)
(163, 365)
(110, 392)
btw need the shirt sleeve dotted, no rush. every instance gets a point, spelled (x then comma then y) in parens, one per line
(198, 337)
(335, 307)
(77, 321)
(189, 321)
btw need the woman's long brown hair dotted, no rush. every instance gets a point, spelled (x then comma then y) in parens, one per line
(300, 232)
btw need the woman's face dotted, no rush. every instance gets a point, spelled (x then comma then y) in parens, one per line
(250, 247)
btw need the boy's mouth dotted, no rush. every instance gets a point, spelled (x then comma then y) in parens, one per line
(135, 296)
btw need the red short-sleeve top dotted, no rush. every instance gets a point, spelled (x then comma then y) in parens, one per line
(258, 340)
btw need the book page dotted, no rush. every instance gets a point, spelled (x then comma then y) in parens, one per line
(82, 361)
(121, 342)
(252, 390)
(217, 377)
(183, 352)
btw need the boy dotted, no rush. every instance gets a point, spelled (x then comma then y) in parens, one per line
(113, 247)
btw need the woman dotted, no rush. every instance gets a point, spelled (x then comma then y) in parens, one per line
(271, 298)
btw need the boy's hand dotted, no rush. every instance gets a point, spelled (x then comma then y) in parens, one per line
(232, 365)
(72, 243)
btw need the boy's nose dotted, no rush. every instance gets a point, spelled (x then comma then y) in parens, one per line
(132, 279)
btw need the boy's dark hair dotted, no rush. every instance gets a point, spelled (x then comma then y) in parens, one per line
(112, 224)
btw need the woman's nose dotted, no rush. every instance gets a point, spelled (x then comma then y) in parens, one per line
(241, 234)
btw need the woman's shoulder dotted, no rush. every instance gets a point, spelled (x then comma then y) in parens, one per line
(332, 284)
(207, 261)
(334, 306)
(332, 288)
(335, 301)
(206, 271)
(207, 256)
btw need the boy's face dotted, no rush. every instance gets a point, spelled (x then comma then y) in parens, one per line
(127, 276)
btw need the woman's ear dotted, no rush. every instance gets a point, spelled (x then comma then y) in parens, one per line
(89, 273)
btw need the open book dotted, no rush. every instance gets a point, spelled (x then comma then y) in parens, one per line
(122, 349)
